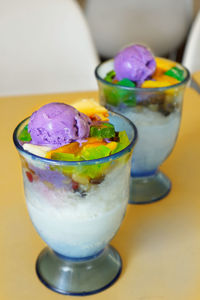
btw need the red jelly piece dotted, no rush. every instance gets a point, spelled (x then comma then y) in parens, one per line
(29, 176)
(75, 185)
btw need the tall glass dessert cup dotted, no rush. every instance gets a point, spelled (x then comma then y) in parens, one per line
(78, 223)
(157, 114)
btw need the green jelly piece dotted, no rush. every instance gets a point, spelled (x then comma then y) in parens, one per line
(114, 95)
(126, 82)
(92, 171)
(123, 138)
(130, 102)
(65, 156)
(111, 96)
(109, 76)
(95, 153)
(176, 73)
(110, 125)
(24, 135)
(66, 170)
(123, 142)
(104, 130)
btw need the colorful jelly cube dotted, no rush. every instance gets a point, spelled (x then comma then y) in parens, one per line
(164, 64)
(24, 135)
(176, 73)
(95, 153)
(126, 82)
(104, 130)
(110, 75)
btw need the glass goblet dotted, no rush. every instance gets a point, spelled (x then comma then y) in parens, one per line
(76, 216)
(157, 114)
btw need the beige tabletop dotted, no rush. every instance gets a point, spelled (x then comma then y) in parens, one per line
(159, 243)
(196, 77)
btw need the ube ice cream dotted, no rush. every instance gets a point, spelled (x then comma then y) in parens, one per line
(135, 63)
(57, 124)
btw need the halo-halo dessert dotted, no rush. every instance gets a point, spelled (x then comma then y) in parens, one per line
(149, 91)
(76, 167)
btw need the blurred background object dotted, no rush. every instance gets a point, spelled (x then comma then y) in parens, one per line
(162, 25)
(46, 47)
(191, 56)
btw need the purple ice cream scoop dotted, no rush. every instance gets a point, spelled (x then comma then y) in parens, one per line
(135, 63)
(56, 124)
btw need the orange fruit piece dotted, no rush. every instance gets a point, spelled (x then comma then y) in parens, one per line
(93, 139)
(69, 148)
(75, 148)
(164, 64)
(93, 144)
(158, 72)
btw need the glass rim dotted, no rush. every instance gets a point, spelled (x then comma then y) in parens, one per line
(81, 162)
(139, 89)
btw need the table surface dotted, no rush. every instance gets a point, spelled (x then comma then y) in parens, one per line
(159, 243)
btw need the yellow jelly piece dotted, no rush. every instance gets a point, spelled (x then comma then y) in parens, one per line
(111, 145)
(164, 64)
(80, 179)
(90, 107)
(155, 84)
(166, 78)
(94, 145)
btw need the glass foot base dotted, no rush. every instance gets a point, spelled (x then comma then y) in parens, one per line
(78, 277)
(148, 189)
